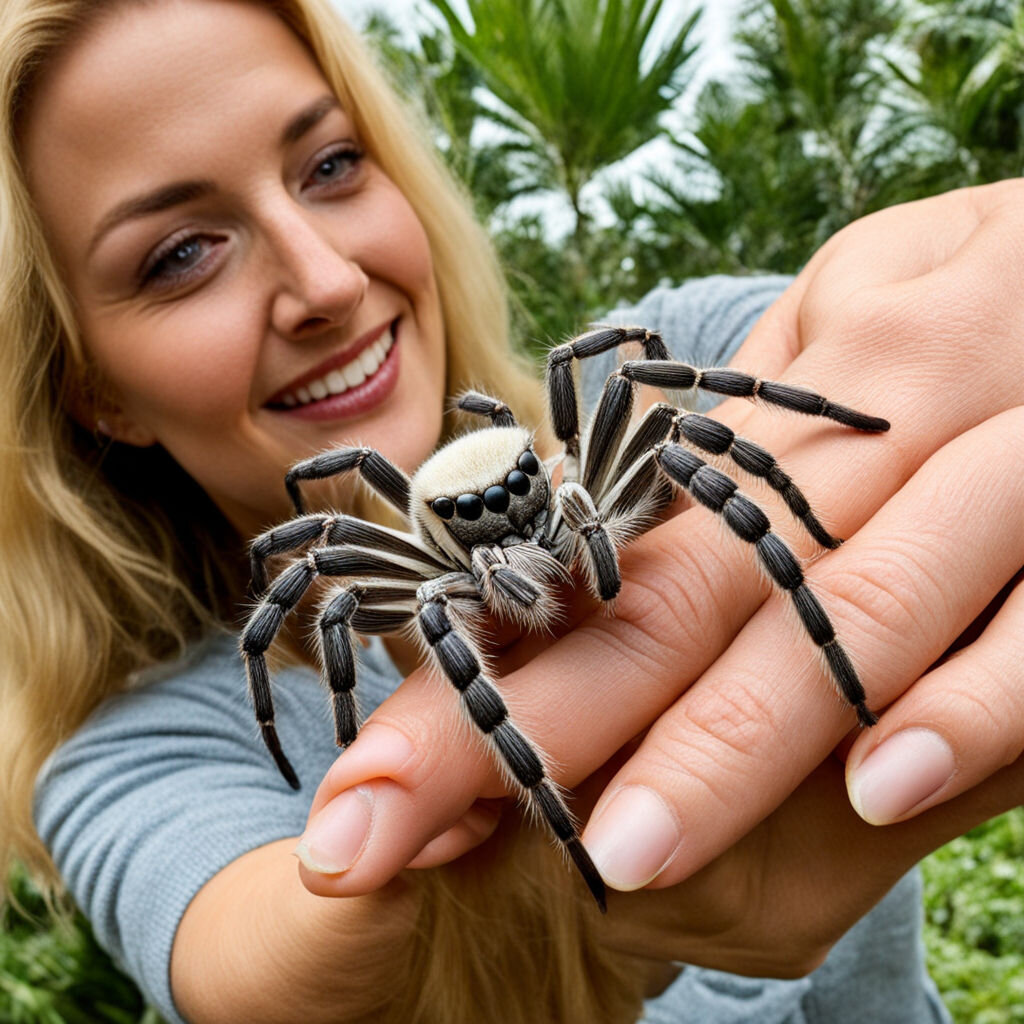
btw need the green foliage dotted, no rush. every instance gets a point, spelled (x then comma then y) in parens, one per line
(974, 911)
(56, 974)
(967, 92)
(576, 75)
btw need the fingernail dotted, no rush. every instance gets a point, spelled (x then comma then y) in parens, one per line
(904, 771)
(337, 834)
(633, 838)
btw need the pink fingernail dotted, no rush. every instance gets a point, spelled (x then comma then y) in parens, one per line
(633, 838)
(904, 771)
(337, 834)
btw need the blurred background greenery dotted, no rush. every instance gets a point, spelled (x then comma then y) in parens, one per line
(605, 162)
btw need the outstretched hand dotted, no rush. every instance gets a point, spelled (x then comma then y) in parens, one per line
(912, 314)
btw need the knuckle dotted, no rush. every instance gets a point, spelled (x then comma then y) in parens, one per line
(872, 317)
(741, 718)
(676, 598)
(718, 741)
(888, 594)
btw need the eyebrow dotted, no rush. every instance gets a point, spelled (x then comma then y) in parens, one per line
(307, 119)
(179, 192)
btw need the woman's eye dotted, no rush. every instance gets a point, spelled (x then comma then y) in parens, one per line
(339, 165)
(178, 261)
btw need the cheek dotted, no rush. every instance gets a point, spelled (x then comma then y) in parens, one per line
(192, 368)
(402, 250)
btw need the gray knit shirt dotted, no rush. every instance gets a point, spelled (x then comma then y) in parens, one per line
(168, 783)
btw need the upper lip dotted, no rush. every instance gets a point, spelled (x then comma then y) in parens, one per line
(346, 355)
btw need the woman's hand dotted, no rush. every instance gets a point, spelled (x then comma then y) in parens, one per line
(912, 314)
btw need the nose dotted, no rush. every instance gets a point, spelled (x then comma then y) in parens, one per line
(318, 285)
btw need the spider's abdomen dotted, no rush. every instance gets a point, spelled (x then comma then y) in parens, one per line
(481, 488)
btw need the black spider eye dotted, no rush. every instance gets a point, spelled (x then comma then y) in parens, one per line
(443, 507)
(469, 506)
(528, 463)
(518, 483)
(496, 499)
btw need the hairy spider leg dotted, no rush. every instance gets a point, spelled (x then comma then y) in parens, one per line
(510, 593)
(290, 536)
(483, 405)
(333, 528)
(718, 492)
(287, 591)
(737, 384)
(458, 660)
(597, 552)
(382, 475)
(562, 398)
(716, 438)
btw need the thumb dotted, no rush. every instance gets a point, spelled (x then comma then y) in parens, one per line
(959, 724)
(402, 790)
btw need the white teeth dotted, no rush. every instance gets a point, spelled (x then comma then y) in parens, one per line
(369, 361)
(342, 378)
(354, 374)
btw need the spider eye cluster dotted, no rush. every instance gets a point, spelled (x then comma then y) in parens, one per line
(494, 499)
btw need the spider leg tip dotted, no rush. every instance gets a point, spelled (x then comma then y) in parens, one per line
(865, 716)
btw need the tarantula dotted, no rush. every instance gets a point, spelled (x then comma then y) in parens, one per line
(489, 531)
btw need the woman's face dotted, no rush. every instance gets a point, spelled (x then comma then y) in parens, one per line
(233, 254)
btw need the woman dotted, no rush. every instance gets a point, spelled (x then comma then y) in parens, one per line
(203, 220)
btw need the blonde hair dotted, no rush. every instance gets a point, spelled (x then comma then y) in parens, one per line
(102, 570)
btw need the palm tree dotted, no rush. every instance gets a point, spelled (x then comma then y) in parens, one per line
(966, 89)
(582, 80)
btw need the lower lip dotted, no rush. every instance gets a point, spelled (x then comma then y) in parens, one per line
(354, 401)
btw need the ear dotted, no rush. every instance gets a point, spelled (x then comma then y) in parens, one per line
(116, 425)
(100, 415)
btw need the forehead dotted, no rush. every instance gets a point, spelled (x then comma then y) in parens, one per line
(153, 92)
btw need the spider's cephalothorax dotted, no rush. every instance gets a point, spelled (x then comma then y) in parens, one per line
(488, 531)
(490, 488)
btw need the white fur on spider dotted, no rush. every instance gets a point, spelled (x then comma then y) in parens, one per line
(469, 464)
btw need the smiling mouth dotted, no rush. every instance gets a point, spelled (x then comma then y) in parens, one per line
(351, 375)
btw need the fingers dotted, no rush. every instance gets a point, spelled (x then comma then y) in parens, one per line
(774, 904)
(733, 746)
(380, 806)
(475, 827)
(959, 724)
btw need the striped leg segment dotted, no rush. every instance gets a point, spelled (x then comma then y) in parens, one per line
(717, 439)
(259, 633)
(719, 493)
(483, 704)
(483, 405)
(343, 612)
(338, 658)
(384, 477)
(562, 399)
(736, 384)
(597, 552)
(281, 539)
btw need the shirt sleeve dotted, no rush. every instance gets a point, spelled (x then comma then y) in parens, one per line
(167, 784)
(703, 322)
